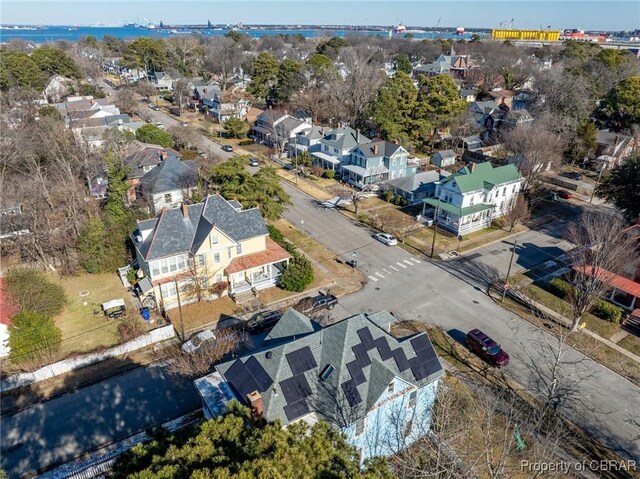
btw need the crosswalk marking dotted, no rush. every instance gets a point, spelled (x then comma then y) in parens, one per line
(403, 266)
(372, 278)
(416, 260)
(385, 270)
(394, 268)
(379, 274)
(408, 262)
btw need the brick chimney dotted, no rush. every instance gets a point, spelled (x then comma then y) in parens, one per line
(185, 211)
(204, 90)
(163, 155)
(256, 404)
(375, 149)
(472, 165)
(358, 136)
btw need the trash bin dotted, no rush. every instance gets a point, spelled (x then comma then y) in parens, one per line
(146, 313)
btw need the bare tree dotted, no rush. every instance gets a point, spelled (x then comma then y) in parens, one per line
(201, 361)
(602, 250)
(185, 53)
(516, 211)
(181, 93)
(536, 150)
(222, 58)
(127, 100)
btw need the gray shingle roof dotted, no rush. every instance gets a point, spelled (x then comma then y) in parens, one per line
(173, 234)
(364, 360)
(292, 324)
(385, 148)
(414, 183)
(171, 174)
(346, 138)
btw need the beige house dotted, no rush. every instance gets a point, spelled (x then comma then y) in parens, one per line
(206, 250)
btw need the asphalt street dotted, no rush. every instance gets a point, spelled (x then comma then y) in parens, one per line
(452, 296)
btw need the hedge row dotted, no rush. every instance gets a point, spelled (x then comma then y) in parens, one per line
(601, 309)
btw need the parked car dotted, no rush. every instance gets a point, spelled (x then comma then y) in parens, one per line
(160, 125)
(311, 304)
(485, 347)
(197, 341)
(153, 107)
(564, 194)
(263, 321)
(254, 162)
(572, 175)
(227, 148)
(387, 239)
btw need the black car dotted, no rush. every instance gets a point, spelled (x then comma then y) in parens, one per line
(572, 175)
(486, 348)
(263, 321)
(227, 148)
(311, 304)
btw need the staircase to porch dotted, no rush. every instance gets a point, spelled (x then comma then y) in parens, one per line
(247, 299)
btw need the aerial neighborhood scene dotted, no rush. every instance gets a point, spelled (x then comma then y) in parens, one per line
(320, 239)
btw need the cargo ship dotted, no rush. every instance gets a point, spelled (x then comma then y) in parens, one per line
(460, 31)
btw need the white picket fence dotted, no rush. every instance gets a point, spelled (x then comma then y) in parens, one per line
(71, 364)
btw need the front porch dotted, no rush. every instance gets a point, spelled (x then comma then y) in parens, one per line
(361, 177)
(325, 161)
(459, 221)
(256, 271)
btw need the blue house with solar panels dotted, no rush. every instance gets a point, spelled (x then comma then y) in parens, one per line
(377, 389)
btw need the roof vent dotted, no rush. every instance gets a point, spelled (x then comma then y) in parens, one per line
(326, 372)
(269, 354)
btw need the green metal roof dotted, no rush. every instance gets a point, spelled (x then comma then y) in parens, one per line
(456, 210)
(484, 176)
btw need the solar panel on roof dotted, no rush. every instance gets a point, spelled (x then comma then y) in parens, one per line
(426, 354)
(259, 374)
(356, 373)
(401, 359)
(351, 393)
(366, 338)
(241, 379)
(421, 342)
(361, 355)
(418, 368)
(296, 409)
(295, 388)
(301, 360)
(383, 348)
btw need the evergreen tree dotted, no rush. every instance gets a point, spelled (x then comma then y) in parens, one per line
(32, 290)
(393, 109)
(116, 205)
(263, 78)
(236, 128)
(235, 446)
(620, 109)
(32, 337)
(621, 188)
(154, 135)
(290, 79)
(403, 64)
(53, 61)
(19, 69)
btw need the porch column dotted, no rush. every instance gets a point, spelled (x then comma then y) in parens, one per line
(270, 272)
(633, 303)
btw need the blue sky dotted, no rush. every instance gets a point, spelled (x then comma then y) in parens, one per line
(586, 14)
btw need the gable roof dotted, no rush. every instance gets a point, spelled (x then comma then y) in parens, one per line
(140, 155)
(364, 358)
(172, 234)
(483, 176)
(445, 154)
(417, 181)
(345, 138)
(171, 174)
(385, 148)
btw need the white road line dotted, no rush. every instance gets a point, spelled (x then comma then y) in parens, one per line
(385, 270)
(394, 268)
(400, 264)
(416, 260)
(379, 274)
(372, 278)
(408, 262)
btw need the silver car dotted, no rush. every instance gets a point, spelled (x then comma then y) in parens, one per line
(387, 239)
(197, 341)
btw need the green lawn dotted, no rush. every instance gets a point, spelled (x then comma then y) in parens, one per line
(83, 331)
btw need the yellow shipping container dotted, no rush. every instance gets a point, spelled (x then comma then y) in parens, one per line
(533, 35)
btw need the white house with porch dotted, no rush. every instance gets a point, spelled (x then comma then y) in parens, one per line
(472, 198)
(205, 250)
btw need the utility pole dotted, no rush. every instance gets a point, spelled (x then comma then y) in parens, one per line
(435, 228)
(597, 181)
(179, 309)
(506, 281)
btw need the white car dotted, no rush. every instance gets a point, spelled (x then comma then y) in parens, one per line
(254, 162)
(197, 341)
(386, 239)
(160, 125)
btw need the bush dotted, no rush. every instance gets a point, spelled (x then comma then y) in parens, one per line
(236, 128)
(130, 328)
(317, 170)
(154, 135)
(276, 235)
(607, 311)
(33, 337)
(34, 291)
(559, 287)
(329, 174)
(245, 142)
(298, 274)
(388, 196)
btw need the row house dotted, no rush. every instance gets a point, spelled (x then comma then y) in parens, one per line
(375, 162)
(213, 247)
